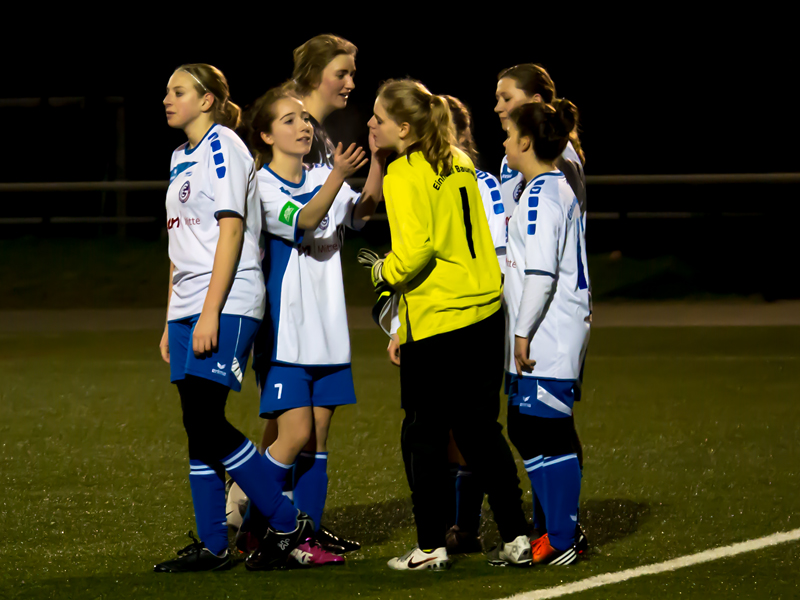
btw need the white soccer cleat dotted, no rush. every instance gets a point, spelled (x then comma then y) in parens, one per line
(516, 553)
(417, 560)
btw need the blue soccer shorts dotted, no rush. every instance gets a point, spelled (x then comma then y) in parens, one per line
(227, 364)
(548, 398)
(295, 386)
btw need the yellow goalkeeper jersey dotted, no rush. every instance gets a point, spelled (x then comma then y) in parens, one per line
(443, 263)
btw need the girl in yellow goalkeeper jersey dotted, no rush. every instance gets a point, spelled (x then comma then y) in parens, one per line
(444, 269)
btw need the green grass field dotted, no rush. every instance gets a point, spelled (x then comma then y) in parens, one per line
(690, 438)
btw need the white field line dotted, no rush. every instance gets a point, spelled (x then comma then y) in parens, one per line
(711, 357)
(662, 567)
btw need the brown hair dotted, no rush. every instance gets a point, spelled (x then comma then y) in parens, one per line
(548, 126)
(311, 58)
(259, 118)
(534, 79)
(462, 121)
(208, 79)
(428, 115)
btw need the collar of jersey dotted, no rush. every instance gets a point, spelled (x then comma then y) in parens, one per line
(188, 151)
(555, 173)
(289, 183)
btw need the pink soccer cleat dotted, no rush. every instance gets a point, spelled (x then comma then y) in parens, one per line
(311, 554)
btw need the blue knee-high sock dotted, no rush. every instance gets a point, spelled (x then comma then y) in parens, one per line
(558, 485)
(311, 484)
(249, 469)
(208, 497)
(539, 522)
(278, 472)
(469, 501)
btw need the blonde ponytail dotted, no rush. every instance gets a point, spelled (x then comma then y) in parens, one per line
(230, 115)
(428, 115)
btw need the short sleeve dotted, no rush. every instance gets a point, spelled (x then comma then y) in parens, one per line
(231, 172)
(344, 207)
(543, 228)
(280, 211)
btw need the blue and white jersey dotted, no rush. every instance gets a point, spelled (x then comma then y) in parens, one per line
(546, 237)
(216, 176)
(492, 198)
(512, 182)
(304, 284)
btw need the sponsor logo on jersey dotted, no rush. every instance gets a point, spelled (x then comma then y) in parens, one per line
(287, 213)
(186, 190)
(176, 222)
(219, 370)
(507, 173)
(323, 225)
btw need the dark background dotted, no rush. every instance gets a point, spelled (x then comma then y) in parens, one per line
(654, 98)
(662, 92)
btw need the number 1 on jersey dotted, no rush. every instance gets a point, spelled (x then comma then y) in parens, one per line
(467, 220)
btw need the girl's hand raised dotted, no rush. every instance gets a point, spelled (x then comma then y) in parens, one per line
(347, 162)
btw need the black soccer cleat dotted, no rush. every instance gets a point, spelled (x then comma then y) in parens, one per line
(335, 543)
(581, 543)
(274, 550)
(195, 557)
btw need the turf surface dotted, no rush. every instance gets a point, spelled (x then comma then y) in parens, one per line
(690, 437)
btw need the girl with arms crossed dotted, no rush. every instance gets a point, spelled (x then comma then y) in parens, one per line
(309, 368)
(216, 303)
(549, 315)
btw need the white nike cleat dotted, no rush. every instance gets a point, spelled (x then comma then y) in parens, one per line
(516, 553)
(418, 560)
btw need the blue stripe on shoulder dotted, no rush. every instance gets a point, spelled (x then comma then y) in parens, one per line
(551, 174)
(179, 169)
(304, 198)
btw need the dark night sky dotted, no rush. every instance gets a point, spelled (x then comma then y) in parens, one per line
(662, 98)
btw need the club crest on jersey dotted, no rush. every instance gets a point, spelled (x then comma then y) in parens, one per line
(518, 191)
(183, 194)
(323, 225)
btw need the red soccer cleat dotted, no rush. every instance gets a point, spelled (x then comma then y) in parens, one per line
(545, 554)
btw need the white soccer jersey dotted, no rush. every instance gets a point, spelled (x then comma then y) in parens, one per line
(546, 238)
(216, 176)
(492, 198)
(304, 285)
(512, 182)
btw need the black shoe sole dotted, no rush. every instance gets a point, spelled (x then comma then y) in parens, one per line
(228, 564)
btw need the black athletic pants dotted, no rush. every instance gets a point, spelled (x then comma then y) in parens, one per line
(452, 381)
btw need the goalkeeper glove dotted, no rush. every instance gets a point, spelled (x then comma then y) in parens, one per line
(374, 263)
